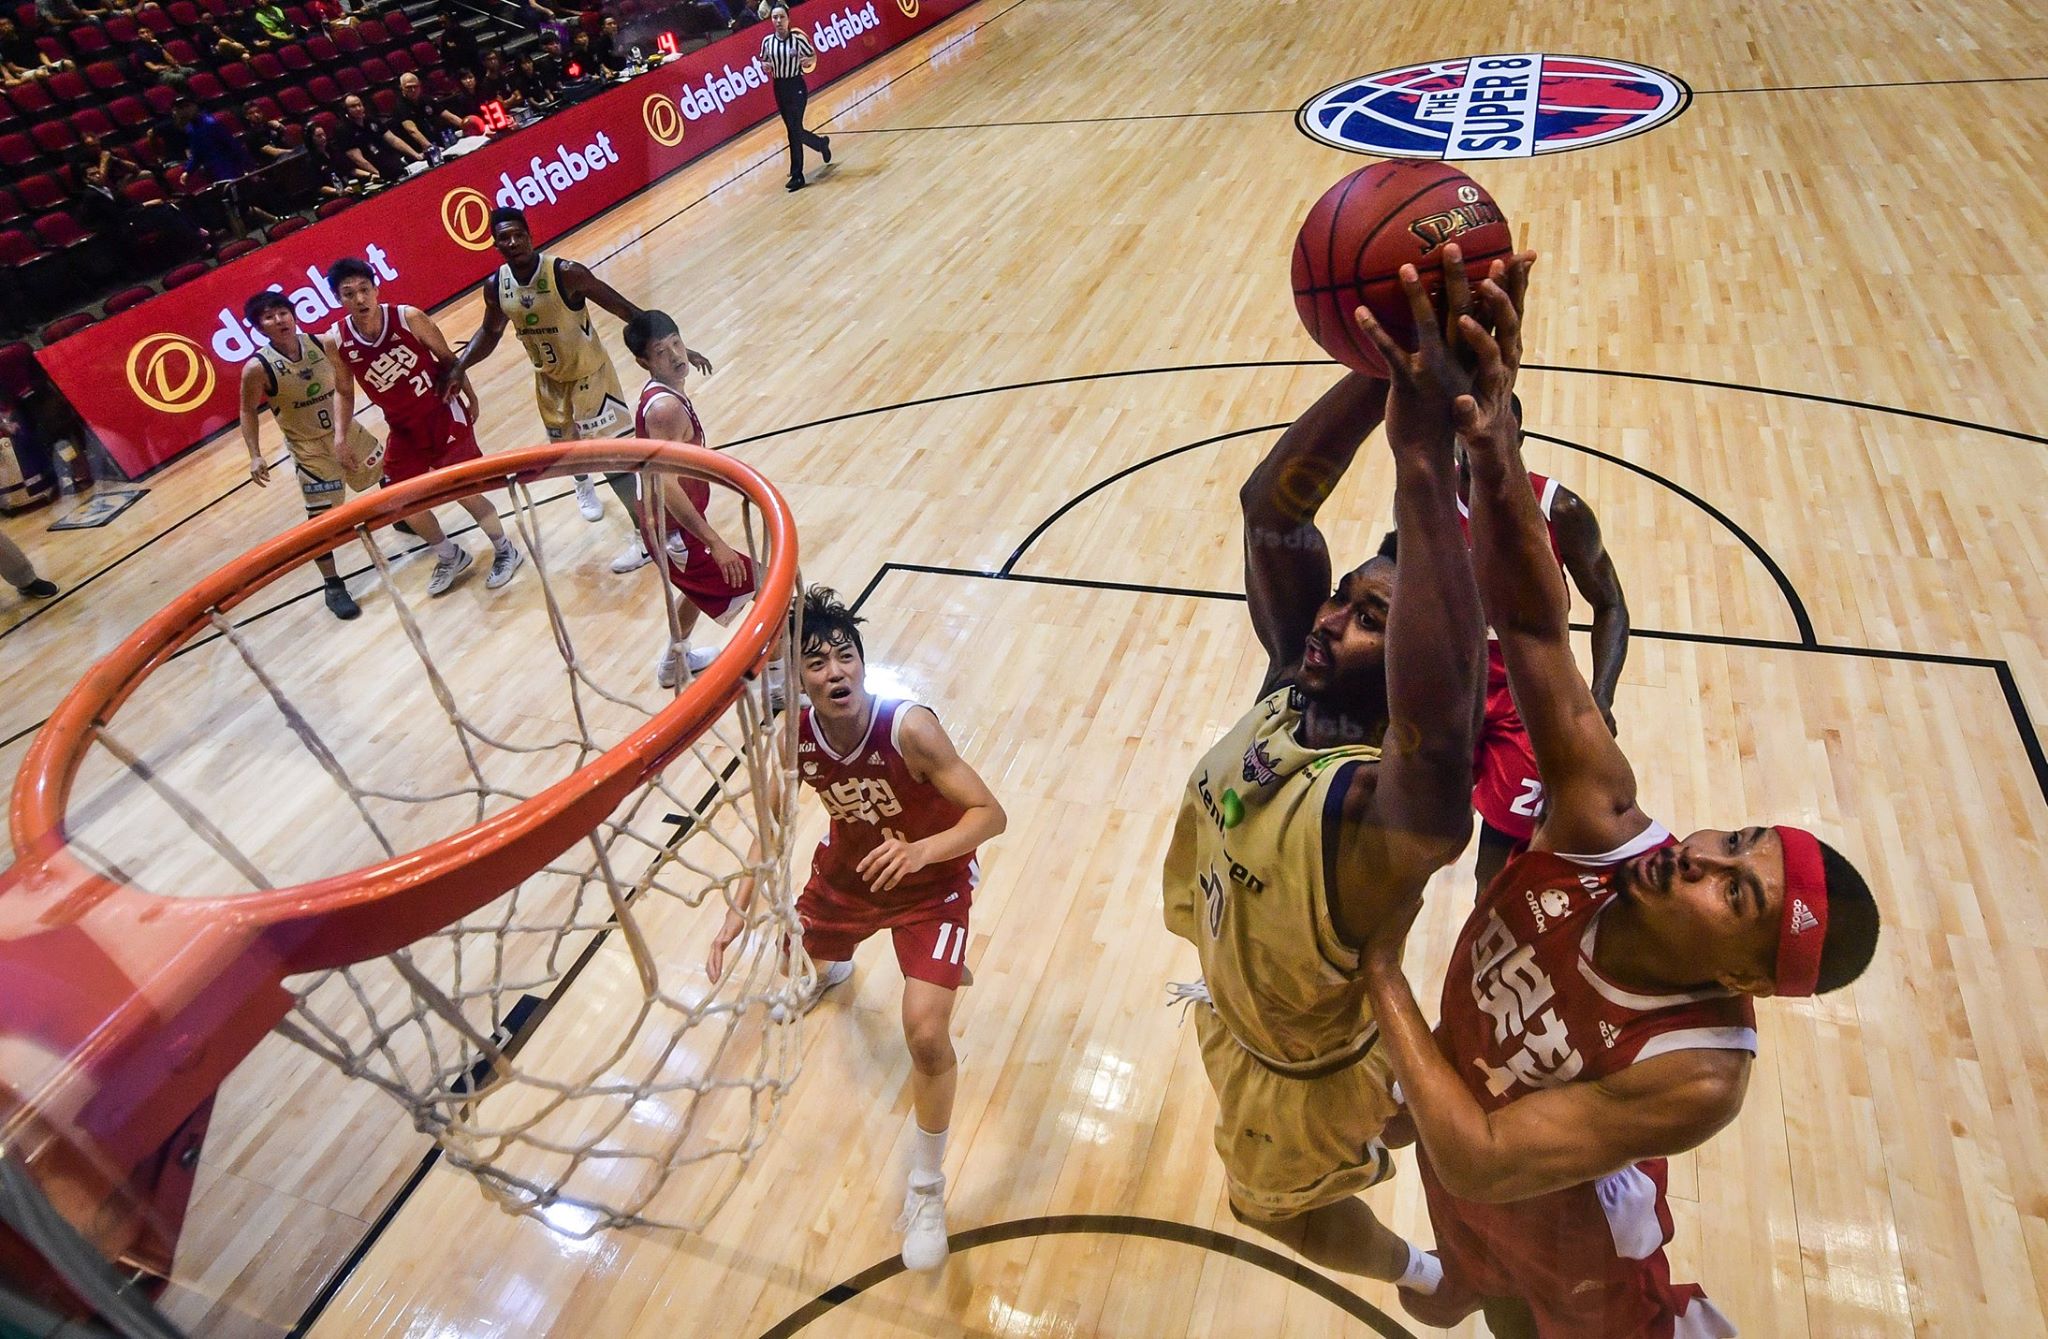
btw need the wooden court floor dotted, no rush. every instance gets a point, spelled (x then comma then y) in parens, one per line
(1009, 362)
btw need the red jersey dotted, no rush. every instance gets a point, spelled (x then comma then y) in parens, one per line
(872, 794)
(1525, 1008)
(396, 370)
(698, 491)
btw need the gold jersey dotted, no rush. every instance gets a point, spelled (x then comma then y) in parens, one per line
(301, 393)
(560, 341)
(1244, 883)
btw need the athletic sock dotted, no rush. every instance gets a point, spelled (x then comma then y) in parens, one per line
(445, 549)
(927, 1155)
(1423, 1274)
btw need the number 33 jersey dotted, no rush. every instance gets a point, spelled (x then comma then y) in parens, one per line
(872, 795)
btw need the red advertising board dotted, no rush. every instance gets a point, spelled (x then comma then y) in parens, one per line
(158, 379)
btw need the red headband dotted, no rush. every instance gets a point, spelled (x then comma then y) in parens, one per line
(1803, 919)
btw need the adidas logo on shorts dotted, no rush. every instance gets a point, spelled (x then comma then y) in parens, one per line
(1803, 918)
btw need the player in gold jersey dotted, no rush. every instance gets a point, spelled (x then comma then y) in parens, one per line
(295, 374)
(1325, 808)
(545, 300)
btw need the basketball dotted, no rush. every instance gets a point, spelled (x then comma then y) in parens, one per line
(1355, 240)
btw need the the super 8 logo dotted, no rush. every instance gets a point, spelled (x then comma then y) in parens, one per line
(1501, 106)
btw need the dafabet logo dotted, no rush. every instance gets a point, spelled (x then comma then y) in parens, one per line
(663, 121)
(170, 372)
(466, 214)
(909, 8)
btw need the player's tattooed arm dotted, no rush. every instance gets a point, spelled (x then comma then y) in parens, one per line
(931, 755)
(488, 332)
(1592, 571)
(1590, 789)
(1287, 569)
(253, 389)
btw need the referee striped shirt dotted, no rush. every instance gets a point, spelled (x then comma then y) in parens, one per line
(785, 56)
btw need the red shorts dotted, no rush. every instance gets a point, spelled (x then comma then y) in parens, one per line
(930, 935)
(431, 442)
(1587, 1261)
(699, 578)
(1507, 791)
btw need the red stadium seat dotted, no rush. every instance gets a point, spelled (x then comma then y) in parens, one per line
(142, 191)
(321, 49)
(160, 99)
(269, 107)
(351, 80)
(294, 59)
(183, 52)
(399, 24)
(328, 209)
(295, 101)
(220, 9)
(11, 211)
(377, 72)
(267, 68)
(106, 77)
(324, 91)
(17, 150)
(186, 273)
(30, 98)
(60, 232)
(129, 113)
(348, 41)
(54, 137)
(128, 297)
(206, 89)
(157, 19)
(20, 376)
(384, 102)
(69, 325)
(286, 227)
(231, 119)
(401, 62)
(441, 83)
(184, 13)
(92, 121)
(427, 54)
(18, 248)
(53, 47)
(375, 35)
(88, 40)
(42, 192)
(69, 89)
(238, 77)
(123, 29)
(237, 249)
(298, 16)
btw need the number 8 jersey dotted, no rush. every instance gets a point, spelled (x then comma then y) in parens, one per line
(871, 794)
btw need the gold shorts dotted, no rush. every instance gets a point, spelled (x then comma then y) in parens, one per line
(322, 474)
(591, 408)
(1292, 1145)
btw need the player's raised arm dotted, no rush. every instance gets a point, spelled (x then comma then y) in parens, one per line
(1287, 573)
(488, 332)
(1592, 571)
(931, 755)
(1590, 788)
(1418, 814)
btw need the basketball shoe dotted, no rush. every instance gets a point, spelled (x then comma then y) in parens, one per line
(923, 1225)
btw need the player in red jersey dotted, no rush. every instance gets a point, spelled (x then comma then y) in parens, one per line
(907, 816)
(1507, 789)
(1596, 1017)
(397, 353)
(715, 579)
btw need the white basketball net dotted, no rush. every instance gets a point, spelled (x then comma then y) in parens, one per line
(563, 1043)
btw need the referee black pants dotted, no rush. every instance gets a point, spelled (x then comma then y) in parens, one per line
(790, 98)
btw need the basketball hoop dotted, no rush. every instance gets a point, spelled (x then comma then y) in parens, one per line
(427, 972)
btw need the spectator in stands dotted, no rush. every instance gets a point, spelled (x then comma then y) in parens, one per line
(149, 63)
(458, 48)
(605, 46)
(373, 143)
(334, 168)
(115, 164)
(537, 88)
(216, 46)
(104, 209)
(586, 61)
(466, 104)
(499, 82)
(20, 58)
(214, 157)
(61, 14)
(422, 119)
(274, 23)
(20, 573)
(548, 66)
(263, 135)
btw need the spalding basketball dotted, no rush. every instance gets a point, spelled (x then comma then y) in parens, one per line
(1355, 240)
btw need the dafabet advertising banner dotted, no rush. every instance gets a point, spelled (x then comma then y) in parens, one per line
(160, 378)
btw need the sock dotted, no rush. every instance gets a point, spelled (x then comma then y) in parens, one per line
(334, 581)
(927, 1155)
(503, 543)
(445, 549)
(1423, 1274)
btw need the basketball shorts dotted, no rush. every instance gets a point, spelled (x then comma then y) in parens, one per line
(1588, 1260)
(1291, 1145)
(324, 480)
(701, 580)
(1507, 790)
(581, 410)
(431, 442)
(930, 935)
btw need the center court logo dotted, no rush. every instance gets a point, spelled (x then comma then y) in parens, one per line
(466, 214)
(664, 123)
(1503, 106)
(170, 373)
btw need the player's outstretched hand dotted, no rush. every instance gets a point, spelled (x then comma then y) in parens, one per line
(730, 565)
(1485, 417)
(714, 962)
(1424, 380)
(890, 863)
(700, 362)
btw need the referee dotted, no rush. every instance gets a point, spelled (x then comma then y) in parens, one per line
(789, 56)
